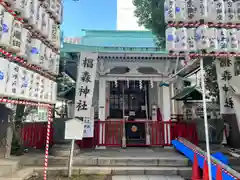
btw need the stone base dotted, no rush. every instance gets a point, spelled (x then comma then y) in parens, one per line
(63, 149)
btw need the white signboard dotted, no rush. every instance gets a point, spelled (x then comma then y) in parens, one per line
(74, 129)
(85, 84)
(225, 73)
(89, 125)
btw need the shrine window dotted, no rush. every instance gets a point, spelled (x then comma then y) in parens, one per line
(127, 97)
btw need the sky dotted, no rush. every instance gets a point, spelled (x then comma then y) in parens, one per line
(88, 14)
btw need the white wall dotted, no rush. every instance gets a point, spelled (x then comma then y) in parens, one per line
(125, 16)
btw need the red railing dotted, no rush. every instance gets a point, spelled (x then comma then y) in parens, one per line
(34, 135)
(110, 133)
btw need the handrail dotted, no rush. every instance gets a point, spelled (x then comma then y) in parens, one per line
(214, 160)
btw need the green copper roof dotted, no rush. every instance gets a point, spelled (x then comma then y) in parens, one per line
(115, 41)
(79, 48)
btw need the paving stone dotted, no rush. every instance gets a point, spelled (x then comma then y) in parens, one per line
(121, 178)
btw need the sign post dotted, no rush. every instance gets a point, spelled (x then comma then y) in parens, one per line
(71, 159)
(73, 130)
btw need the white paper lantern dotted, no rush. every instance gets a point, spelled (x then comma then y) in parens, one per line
(213, 41)
(229, 11)
(220, 11)
(41, 87)
(21, 82)
(202, 38)
(59, 11)
(180, 11)
(181, 39)
(232, 40)
(6, 23)
(212, 13)
(57, 59)
(29, 83)
(34, 57)
(51, 61)
(237, 11)
(46, 4)
(50, 91)
(45, 25)
(222, 40)
(54, 36)
(43, 55)
(52, 7)
(191, 11)
(191, 42)
(58, 40)
(25, 44)
(46, 60)
(12, 83)
(170, 38)
(201, 9)
(15, 41)
(34, 11)
(3, 75)
(18, 5)
(54, 90)
(27, 13)
(238, 37)
(39, 18)
(169, 10)
(50, 26)
(36, 86)
(46, 89)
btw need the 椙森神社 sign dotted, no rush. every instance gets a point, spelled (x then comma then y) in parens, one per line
(85, 84)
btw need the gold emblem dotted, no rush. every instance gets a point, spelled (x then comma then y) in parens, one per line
(134, 128)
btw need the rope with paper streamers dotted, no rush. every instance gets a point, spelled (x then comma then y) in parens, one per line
(196, 24)
(23, 102)
(195, 55)
(47, 142)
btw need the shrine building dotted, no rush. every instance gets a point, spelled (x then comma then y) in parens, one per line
(133, 102)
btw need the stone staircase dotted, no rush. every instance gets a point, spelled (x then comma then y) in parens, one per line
(165, 162)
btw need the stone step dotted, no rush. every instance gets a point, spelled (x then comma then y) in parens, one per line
(168, 171)
(156, 177)
(110, 161)
(8, 166)
(26, 173)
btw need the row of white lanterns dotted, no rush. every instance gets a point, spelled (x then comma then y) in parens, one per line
(202, 37)
(19, 82)
(32, 9)
(215, 11)
(19, 40)
(13, 29)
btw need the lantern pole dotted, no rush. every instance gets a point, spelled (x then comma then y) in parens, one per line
(205, 119)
